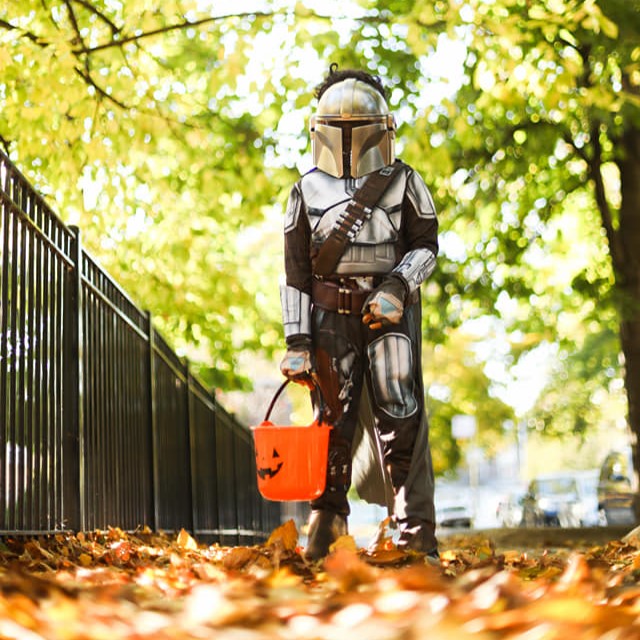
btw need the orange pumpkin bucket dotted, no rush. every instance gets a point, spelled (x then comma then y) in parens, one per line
(291, 461)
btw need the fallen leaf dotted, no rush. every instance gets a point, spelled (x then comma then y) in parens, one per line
(185, 541)
(239, 557)
(85, 559)
(382, 556)
(285, 535)
(344, 542)
(348, 570)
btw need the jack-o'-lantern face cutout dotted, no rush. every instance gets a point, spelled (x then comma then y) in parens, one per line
(268, 467)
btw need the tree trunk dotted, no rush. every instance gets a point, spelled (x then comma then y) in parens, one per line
(630, 339)
(628, 279)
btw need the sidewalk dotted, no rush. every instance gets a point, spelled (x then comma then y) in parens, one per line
(539, 538)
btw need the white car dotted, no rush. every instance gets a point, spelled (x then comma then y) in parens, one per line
(453, 507)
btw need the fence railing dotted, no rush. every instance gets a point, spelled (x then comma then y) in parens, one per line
(101, 424)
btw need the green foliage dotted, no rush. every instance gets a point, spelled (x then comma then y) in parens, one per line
(457, 384)
(584, 387)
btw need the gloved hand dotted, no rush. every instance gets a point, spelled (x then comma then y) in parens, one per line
(297, 364)
(385, 305)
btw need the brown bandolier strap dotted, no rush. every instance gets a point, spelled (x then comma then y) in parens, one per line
(348, 225)
(334, 297)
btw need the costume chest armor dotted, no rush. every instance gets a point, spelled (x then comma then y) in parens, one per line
(374, 249)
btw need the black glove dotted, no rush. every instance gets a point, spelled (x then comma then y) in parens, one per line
(385, 304)
(297, 364)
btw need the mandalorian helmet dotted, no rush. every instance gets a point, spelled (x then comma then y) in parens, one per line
(352, 131)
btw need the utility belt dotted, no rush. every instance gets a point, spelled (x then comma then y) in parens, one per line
(345, 298)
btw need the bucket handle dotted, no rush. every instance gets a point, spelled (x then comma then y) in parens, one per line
(281, 389)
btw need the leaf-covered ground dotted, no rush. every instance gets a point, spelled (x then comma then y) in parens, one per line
(109, 584)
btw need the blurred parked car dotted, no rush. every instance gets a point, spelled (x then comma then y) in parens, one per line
(617, 488)
(588, 510)
(453, 506)
(454, 514)
(552, 500)
(509, 510)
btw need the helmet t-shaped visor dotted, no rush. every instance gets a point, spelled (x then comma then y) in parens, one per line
(352, 132)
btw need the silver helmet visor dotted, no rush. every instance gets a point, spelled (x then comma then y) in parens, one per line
(357, 147)
(370, 148)
(327, 148)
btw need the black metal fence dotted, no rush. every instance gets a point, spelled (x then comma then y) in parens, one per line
(101, 424)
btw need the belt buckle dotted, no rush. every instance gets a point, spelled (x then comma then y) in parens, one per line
(344, 300)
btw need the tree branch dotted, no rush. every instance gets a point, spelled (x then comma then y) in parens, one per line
(5, 144)
(187, 24)
(72, 16)
(579, 151)
(595, 171)
(594, 164)
(27, 34)
(86, 76)
(91, 9)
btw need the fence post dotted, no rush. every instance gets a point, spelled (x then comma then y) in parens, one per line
(192, 439)
(73, 444)
(153, 423)
(4, 339)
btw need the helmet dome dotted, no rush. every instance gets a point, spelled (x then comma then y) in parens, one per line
(352, 131)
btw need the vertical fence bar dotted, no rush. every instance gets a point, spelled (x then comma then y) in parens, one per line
(4, 343)
(152, 432)
(243, 493)
(203, 462)
(31, 427)
(190, 420)
(13, 453)
(74, 447)
(20, 443)
(227, 489)
(50, 502)
(39, 515)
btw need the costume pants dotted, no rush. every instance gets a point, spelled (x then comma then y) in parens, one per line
(388, 360)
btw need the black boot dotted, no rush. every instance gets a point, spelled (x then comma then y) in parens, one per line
(325, 527)
(417, 535)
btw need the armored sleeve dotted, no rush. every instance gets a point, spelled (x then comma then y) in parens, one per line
(420, 232)
(295, 293)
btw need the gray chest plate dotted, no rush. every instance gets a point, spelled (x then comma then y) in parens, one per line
(373, 250)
